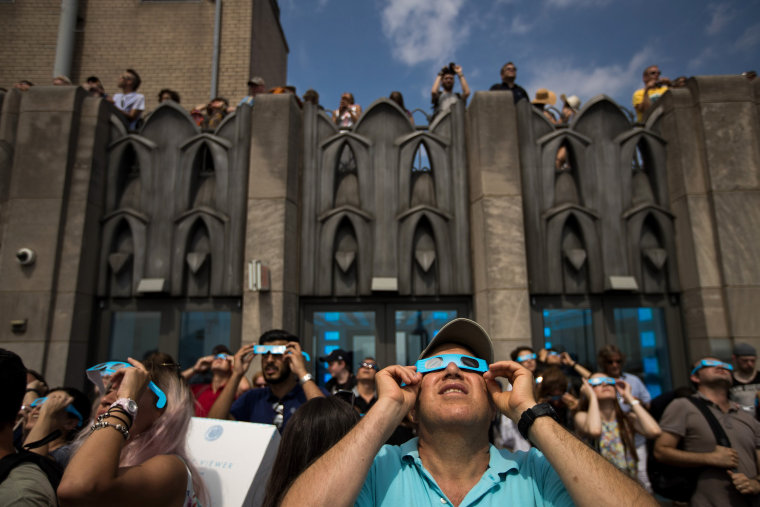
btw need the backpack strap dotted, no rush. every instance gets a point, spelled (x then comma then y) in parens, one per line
(720, 435)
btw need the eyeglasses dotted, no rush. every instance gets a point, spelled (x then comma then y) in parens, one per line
(614, 361)
(279, 416)
(371, 366)
(69, 408)
(275, 350)
(525, 357)
(99, 373)
(707, 363)
(222, 356)
(553, 353)
(597, 381)
(440, 362)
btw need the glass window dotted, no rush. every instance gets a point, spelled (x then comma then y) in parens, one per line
(572, 329)
(415, 329)
(642, 339)
(200, 332)
(354, 332)
(133, 334)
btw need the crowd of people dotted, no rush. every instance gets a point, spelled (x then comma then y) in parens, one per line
(432, 430)
(210, 115)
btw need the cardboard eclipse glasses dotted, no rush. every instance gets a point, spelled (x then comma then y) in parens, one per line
(706, 363)
(275, 350)
(99, 373)
(69, 408)
(440, 362)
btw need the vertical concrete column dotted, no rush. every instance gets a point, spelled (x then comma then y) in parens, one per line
(272, 218)
(712, 129)
(500, 275)
(53, 209)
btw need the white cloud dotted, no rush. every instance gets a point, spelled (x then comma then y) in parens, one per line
(750, 38)
(586, 82)
(519, 26)
(422, 31)
(720, 16)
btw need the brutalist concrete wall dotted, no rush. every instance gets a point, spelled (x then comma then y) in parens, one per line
(53, 139)
(713, 132)
(272, 217)
(501, 298)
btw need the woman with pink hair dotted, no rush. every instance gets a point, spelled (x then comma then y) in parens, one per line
(134, 454)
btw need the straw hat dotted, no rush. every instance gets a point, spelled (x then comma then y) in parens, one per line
(573, 101)
(546, 97)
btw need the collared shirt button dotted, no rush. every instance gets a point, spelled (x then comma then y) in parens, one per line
(443, 500)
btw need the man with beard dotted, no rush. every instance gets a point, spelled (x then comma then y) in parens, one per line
(289, 384)
(729, 474)
(443, 99)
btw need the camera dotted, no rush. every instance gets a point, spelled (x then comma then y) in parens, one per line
(25, 256)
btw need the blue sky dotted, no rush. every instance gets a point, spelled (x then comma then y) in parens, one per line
(581, 47)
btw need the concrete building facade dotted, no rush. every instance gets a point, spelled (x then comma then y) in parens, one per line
(169, 43)
(370, 238)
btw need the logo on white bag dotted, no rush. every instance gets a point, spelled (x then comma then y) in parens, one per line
(214, 432)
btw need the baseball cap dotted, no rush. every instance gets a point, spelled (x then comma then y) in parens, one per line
(744, 349)
(335, 355)
(256, 80)
(467, 333)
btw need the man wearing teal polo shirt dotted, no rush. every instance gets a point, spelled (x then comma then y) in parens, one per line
(451, 394)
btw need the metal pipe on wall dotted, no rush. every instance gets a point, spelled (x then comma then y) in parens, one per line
(215, 56)
(64, 50)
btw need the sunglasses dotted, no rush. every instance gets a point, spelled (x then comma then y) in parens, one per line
(275, 350)
(440, 362)
(99, 373)
(707, 363)
(69, 408)
(371, 366)
(597, 381)
(525, 357)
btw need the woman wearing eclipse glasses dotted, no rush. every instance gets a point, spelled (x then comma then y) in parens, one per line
(601, 419)
(134, 453)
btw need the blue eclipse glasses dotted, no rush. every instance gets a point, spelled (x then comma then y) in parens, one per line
(100, 372)
(706, 363)
(597, 381)
(222, 356)
(440, 362)
(525, 357)
(275, 350)
(69, 408)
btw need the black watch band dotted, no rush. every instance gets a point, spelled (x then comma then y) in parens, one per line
(529, 416)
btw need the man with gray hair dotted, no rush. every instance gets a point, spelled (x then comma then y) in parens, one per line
(746, 379)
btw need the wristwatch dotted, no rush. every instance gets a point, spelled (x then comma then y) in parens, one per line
(128, 405)
(529, 416)
(305, 379)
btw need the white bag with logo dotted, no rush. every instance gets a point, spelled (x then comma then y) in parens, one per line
(234, 459)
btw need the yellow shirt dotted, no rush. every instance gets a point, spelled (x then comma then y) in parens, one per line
(654, 94)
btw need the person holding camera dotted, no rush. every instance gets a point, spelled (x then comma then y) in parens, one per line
(443, 99)
(654, 87)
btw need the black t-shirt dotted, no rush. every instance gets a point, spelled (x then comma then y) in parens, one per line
(518, 92)
(333, 386)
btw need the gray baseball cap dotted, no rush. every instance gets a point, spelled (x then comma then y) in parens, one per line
(744, 349)
(467, 333)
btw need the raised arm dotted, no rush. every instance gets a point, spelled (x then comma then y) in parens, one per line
(298, 366)
(463, 81)
(52, 415)
(435, 91)
(565, 357)
(337, 477)
(589, 423)
(240, 364)
(201, 365)
(643, 422)
(590, 479)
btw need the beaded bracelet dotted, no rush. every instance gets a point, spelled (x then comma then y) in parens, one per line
(120, 410)
(104, 424)
(126, 424)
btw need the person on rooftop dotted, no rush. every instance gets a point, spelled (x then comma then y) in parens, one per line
(348, 112)
(654, 87)
(508, 76)
(442, 94)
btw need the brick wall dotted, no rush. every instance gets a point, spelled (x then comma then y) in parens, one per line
(169, 44)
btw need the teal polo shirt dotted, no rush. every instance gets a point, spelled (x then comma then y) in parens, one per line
(397, 477)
